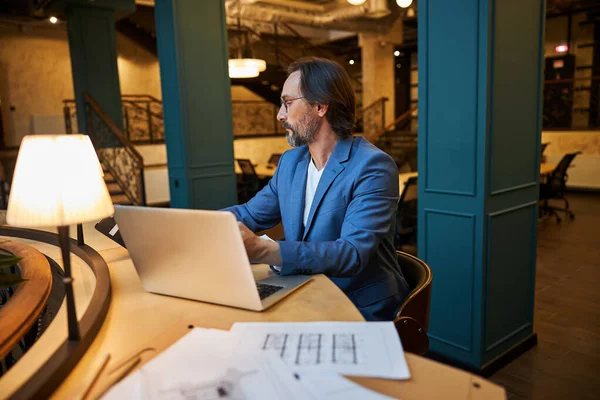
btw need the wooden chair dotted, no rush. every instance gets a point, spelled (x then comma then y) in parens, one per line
(412, 318)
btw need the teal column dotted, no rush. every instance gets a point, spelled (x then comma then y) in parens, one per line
(480, 77)
(192, 53)
(93, 49)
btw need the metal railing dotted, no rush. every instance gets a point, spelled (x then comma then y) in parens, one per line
(115, 151)
(143, 119)
(255, 118)
(371, 119)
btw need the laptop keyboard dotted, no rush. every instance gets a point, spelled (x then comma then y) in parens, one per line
(265, 290)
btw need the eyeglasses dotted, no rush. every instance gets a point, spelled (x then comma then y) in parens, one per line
(284, 103)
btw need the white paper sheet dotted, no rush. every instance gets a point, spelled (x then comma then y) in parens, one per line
(202, 366)
(336, 387)
(370, 349)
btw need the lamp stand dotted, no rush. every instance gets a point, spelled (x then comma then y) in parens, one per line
(80, 239)
(64, 240)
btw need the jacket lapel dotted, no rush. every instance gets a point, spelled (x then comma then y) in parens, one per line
(296, 205)
(335, 165)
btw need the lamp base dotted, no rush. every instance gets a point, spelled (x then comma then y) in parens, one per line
(80, 238)
(65, 242)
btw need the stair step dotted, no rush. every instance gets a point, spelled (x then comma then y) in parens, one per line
(120, 199)
(114, 188)
(108, 178)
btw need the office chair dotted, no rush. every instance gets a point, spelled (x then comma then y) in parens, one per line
(554, 187)
(412, 317)
(249, 183)
(274, 159)
(542, 149)
(406, 218)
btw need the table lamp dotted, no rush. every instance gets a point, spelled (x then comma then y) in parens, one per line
(58, 182)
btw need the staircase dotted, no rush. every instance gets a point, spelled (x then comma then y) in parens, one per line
(122, 164)
(140, 27)
(117, 194)
(402, 147)
(399, 141)
(267, 85)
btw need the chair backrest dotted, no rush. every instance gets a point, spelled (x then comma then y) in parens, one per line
(558, 178)
(274, 159)
(406, 215)
(412, 317)
(418, 275)
(246, 166)
(410, 191)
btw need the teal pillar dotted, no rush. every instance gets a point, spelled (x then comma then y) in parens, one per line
(192, 53)
(93, 49)
(480, 77)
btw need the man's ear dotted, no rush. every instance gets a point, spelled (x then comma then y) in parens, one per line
(322, 109)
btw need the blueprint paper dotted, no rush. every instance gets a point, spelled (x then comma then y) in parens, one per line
(202, 366)
(370, 349)
(336, 387)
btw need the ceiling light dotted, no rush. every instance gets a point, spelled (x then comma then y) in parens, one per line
(356, 2)
(351, 62)
(53, 20)
(246, 67)
(561, 48)
(396, 53)
(404, 3)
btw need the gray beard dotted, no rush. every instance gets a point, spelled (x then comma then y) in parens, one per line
(302, 134)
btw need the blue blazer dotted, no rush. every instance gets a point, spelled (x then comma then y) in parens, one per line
(349, 234)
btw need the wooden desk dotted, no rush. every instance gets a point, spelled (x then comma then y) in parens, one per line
(138, 319)
(262, 170)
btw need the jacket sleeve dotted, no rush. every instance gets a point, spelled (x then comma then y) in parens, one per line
(369, 217)
(262, 211)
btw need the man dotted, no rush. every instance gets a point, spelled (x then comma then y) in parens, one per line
(336, 195)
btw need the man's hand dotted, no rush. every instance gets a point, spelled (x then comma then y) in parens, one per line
(259, 250)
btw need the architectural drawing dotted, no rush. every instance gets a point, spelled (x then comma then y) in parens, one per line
(314, 348)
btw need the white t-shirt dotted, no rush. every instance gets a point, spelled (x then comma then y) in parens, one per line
(312, 181)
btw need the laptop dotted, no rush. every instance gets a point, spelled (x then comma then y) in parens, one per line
(198, 255)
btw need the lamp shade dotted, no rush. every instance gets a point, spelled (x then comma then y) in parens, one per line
(57, 182)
